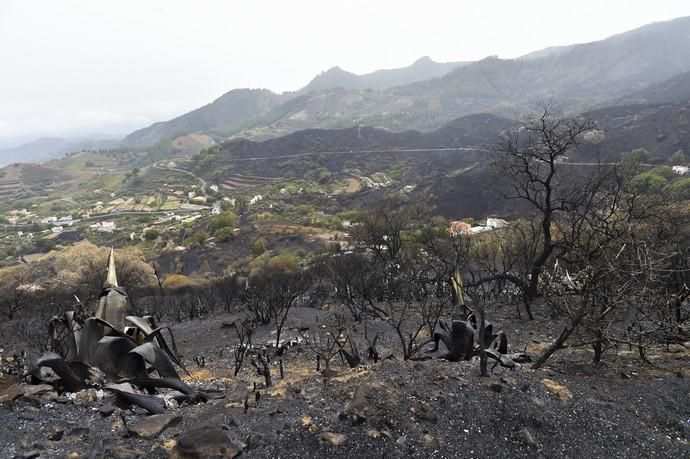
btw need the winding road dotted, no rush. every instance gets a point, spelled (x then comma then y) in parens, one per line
(201, 181)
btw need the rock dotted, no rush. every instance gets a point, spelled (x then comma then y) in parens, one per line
(363, 404)
(85, 397)
(152, 426)
(54, 434)
(121, 451)
(72, 455)
(375, 434)
(32, 400)
(526, 436)
(559, 390)
(38, 389)
(431, 441)
(51, 396)
(43, 444)
(402, 442)
(496, 387)
(77, 434)
(205, 441)
(12, 393)
(307, 422)
(510, 381)
(169, 445)
(106, 410)
(30, 454)
(333, 438)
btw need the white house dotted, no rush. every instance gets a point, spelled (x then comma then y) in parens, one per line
(680, 170)
(104, 227)
(65, 221)
(494, 223)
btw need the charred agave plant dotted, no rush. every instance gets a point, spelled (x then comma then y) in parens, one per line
(113, 350)
(464, 338)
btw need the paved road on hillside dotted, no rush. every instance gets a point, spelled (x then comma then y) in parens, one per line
(348, 152)
(354, 152)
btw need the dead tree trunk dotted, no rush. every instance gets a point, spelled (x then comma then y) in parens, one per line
(263, 367)
(560, 341)
(483, 371)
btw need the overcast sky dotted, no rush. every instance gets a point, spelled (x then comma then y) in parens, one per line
(110, 66)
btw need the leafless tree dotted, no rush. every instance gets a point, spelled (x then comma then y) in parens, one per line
(620, 279)
(358, 282)
(325, 341)
(244, 331)
(529, 158)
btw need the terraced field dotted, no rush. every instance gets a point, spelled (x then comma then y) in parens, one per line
(241, 181)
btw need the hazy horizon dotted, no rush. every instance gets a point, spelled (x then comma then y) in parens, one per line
(78, 68)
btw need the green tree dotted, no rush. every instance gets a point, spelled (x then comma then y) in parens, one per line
(225, 234)
(678, 159)
(285, 263)
(227, 219)
(680, 190)
(259, 246)
(196, 239)
(174, 281)
(151, 234)
(647, 183)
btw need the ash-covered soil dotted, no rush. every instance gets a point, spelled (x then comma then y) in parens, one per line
(430, 408)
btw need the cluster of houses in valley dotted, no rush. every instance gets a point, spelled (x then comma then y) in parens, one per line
(459, 227)
(17, 214)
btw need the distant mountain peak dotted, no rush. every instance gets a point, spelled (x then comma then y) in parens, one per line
(424, 60)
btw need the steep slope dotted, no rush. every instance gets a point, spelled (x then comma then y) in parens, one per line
(240, 108)
(661, 129)
(550, 51)
(468, 131)
(576, 78)
(672, 90)
(422, 69)
(231, 109)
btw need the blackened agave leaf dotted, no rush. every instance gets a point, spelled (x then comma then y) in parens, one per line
(175, 384)
(157, 358)
(158, 335)
(153, 405)
(109, 329)
(43, 375)
(91, 334)
(146, 327)
(154, 383)
(70, 380)
(141, 323)
(113, 357)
